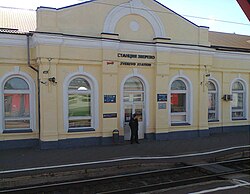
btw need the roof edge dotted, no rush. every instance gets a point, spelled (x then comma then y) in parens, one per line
(176, 13)
(225, 48)
(17, 8)
(65, 7)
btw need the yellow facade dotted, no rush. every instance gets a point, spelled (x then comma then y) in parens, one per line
(107, 43)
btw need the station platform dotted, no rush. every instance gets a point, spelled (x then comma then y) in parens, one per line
(26, 158)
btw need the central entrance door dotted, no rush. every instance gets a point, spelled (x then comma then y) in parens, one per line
(133, 100)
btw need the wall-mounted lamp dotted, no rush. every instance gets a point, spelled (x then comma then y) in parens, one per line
(53, 80)
(207, 75)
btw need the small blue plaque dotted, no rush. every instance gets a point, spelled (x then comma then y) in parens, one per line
(162, 106)
(109, 98)
(162, 97)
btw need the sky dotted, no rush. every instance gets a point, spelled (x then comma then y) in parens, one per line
(218, 15)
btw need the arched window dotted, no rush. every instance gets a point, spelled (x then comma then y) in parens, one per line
(213, 102)
(239, 101)
(80, 104)
(179, 102)
(133, 90)
(17, 105)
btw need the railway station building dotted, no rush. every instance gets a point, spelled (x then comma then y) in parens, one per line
(71, 76)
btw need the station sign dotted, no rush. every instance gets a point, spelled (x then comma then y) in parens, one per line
(135, 56)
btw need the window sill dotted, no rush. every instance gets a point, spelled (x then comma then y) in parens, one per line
(180, 124)
(17, 131)
(239, 119)
(213, 121)
(80, 130)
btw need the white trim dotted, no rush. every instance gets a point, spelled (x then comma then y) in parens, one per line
(189, 105)
(146, 94)
(133, 7)
(83, 42)
(229, 55)
(32, 93)
(245, 96)
(218, 100)
(13, 40)
(94, 96)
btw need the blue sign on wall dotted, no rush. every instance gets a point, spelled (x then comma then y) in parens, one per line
(162, 105)
(109, 98)
(110, 115)
(162, 97)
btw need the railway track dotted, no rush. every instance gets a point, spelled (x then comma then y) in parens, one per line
(181, 174)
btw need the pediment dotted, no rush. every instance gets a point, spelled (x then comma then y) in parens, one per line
(142, 20)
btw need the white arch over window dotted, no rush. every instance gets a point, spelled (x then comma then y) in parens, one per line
(239, 105)
(133, 7)
(31, 99)
(146, 92)
(94, 97)
(186, 117)
(214, 111)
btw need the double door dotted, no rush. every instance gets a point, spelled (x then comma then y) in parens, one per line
(129, 110)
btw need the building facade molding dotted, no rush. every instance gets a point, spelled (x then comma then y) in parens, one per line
(133, 7)
(13, 40)
(95, 42)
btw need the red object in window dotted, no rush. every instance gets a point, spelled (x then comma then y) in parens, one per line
(174, 99)
(245, 6)
(16, 102)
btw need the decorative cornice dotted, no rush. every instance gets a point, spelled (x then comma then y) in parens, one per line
(13, 40)
(115, 44)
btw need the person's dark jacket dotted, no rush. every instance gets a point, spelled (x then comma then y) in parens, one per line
(133, 123)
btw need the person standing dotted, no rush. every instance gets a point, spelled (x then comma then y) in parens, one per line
(133, 124)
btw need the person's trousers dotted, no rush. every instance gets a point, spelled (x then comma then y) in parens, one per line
(134, 135)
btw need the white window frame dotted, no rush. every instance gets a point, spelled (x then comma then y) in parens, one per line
(245, 102)
(32, 105)
(217, 103)
(91, 104)
(186, 104)
(189, 101)
(94, 100)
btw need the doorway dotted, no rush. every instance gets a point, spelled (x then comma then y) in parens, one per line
(133, 101)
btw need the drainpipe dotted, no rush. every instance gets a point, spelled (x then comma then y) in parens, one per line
(38, 81)
(28, 52)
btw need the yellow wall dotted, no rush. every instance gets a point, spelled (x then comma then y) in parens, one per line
(63, 55)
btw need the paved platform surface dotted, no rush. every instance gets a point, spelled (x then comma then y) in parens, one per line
(35, 157)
